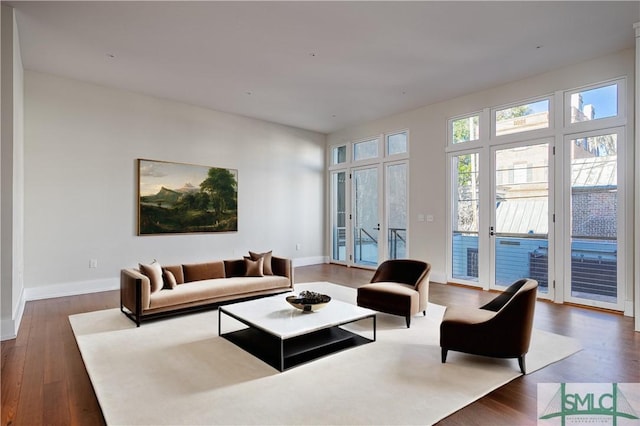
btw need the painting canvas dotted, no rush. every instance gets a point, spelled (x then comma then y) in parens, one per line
(177, 198)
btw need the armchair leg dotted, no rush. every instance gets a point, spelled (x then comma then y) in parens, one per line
(444, 355)
(408, 317)
(424, 313)
(521, 364)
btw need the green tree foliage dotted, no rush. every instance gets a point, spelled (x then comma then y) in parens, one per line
(186, 202)
(461, 131)
(514, 112)
(464, 170)
(220, 187)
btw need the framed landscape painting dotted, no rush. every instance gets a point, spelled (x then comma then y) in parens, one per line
(177, 198)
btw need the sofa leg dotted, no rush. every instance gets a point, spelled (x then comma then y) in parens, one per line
(424, 313)
(408, 317)
(521, 364)
(444, 355)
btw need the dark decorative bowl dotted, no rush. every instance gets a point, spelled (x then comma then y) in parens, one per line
(309, 301)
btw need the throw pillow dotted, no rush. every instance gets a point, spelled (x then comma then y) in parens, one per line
(177, 272)
(169, 279)
(267, 260)
(154, 272)
(254, 267)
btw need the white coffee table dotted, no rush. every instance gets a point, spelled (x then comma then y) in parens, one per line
(283, 336)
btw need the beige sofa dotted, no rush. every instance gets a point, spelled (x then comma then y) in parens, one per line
(189, 287)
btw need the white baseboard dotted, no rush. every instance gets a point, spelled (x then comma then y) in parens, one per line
(8, 330)
(628, 308)
(9, 327)
(71, 289)
(306, 261)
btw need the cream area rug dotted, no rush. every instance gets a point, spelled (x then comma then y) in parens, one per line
(178, 371)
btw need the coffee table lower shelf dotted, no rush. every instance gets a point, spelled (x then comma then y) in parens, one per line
(283, 354)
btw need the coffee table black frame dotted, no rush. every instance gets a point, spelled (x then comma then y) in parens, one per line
(285, 353)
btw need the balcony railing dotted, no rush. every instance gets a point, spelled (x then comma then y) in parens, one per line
(593, 262)
(366, 244)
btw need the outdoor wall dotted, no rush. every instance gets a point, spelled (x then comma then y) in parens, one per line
(81, 146)
(428, 137)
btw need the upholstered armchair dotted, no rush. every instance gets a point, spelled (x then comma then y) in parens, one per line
(398, 287)
(501, 328)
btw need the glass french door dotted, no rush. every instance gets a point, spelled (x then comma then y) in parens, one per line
(367, 224)
(365, 217)
(594, 215)
(396, 196)
(338, 201)
(522, 215)
(465, 183)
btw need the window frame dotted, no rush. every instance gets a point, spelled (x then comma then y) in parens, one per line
(523, 134)
(347, 156)
(599, 123)
(399, 155)
(471, 142)
(380, 148)
(559, 129)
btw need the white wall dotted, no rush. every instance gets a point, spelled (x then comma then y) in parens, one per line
(428, 133)
(11, 226)
(637, 183)
(81, 146)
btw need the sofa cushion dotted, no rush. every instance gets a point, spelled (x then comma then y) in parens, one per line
(169, 279)
(390, 297)
(203, 271)
(225, 289)
(234, 268)
(154, 272)
(254, 267)
(176, 270)
(266, 267)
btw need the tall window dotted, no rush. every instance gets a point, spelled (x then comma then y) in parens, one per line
(338, 216)
(594, 217)
(397, 201)
(521, 225)
(369, 199)
(465, 212)
(549, 202)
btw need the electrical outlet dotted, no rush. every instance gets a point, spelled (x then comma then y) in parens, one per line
(298, 246)
(93, 263)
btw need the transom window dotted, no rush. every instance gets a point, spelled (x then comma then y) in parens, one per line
(522, 118)
(396, 143)
(365, 150)
(339, 154)
(465, 129)
(594, 104)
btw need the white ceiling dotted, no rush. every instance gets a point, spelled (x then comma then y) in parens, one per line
(315, 65)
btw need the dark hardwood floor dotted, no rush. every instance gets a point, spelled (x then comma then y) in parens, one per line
(44, 380)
